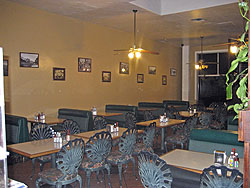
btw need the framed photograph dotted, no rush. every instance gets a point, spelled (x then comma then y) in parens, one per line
(172, 72)
(140, 78)
(151, 69)
(5, 65)
(58, 73)
(164, 79)
(124, 68)
(106, 76)
(84, 64)
(30, 60)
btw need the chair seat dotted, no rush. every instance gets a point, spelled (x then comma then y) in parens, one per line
(142, 147)
(54, 175)
(86, 164)
(117, 157)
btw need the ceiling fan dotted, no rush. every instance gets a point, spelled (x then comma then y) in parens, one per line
(134, 51)
(201, 63)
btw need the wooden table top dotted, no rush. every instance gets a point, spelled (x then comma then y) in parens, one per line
(38, 148)
(48, 120)
(191, 160)
(170, 122)
(108, 114)
(187, 114)
(115, 135)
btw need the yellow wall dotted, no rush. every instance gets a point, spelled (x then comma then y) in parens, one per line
(60, 41)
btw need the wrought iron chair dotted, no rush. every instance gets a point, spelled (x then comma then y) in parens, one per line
(205, 120)
(154, 172)
(148, 115)
(97, 149)
(124, 154)
(130, 120)
(99, 123)
(147, 140)
(221, 177)
(198, 107)
(39, 132)
(71, 126)
(69, 159)
(181, 136)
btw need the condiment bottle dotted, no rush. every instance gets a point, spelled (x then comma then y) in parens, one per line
(231, 160)
(236, 161)
(68, 136)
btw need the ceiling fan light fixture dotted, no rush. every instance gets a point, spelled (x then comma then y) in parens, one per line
(137, 54)
(131, 55)
(233, 49)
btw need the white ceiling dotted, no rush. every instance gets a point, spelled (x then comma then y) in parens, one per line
(167, 21)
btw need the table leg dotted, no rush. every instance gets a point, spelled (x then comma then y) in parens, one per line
(53, 160)
(162, 138)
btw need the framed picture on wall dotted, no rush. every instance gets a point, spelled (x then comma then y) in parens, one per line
(140, 78)
(84, 64)
(5, 65)
(124, 68)
(172, 72)
(58, 74)
(106, 76)
(30, 60)
(151, 69)
(164, 79)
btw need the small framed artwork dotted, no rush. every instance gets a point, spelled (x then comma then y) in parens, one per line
(151, 69)
(140, 78)
(124, 68)
(30, 60)
(172, 72)
(58, 73)
(164, 79)
(106, 76)
(5, 65)
(84, 64)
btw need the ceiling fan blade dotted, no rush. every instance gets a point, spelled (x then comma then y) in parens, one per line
(225, 44)
(149, 52)
(122, 50)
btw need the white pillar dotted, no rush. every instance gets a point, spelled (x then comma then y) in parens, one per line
(185, 73)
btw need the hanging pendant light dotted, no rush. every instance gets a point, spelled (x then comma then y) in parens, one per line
(200, 64)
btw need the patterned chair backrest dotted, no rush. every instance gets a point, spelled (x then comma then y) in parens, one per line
(149, 134)
(222, 177)
(71, 126)
(41, 131)
(154, 172)
(99, 146)
(148, 115)
(130, 120)
(127, 142)
(69, 158)
(99, 123)
(205, 119)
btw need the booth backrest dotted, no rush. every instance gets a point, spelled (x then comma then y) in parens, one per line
(232, 124)
(179, 105)
(160, 108)
(16, 129)
(84, 118)
(120, 109)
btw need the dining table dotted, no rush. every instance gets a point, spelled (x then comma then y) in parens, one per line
(107, 114)
(48, 121)
(188, 114)
(162, 126)
(192, 160)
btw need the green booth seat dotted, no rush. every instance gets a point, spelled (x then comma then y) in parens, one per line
(232, 124)
(157, 109)
(178, 105)
(207, 140)
(83, 118)
(16, 129)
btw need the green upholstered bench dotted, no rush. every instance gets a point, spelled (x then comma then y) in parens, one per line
(232, 124)
(207, 140)
(179, 105)
(120, 109)
(84, 118)
(16, 129)
(159, 109)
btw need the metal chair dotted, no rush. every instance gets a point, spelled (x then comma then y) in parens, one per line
(221, 177)
(71, 126)
(39, 132)
(205, 119)
(147, 140)
(99, 123)
(130, 120)
(154, 172)
(148, 115)
(69, 159)
(124, 154)
(97, 149)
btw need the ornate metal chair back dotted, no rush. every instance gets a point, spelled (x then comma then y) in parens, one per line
(98, 147)
(41, 131)
(154, 172)
(130, 120)
(72, 126)
(99, 123)
(222, 177)
(127, 142)
(148, 115)
(171, 112)
(149, 134)
(206, 119)
(70, 156)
